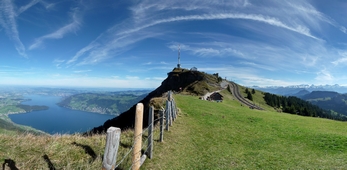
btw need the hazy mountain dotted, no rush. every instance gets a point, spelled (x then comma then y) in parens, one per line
(328, 100)
(295, 89)
(301, 93)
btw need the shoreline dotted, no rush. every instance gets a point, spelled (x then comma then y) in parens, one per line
(5, 117)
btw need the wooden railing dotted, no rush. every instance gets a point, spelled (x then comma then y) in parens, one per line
(166, 117)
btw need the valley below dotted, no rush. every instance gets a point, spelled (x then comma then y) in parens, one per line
(57, 111)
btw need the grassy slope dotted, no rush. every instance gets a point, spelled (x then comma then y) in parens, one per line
(206, 135)
(63, 151)
(224, 135)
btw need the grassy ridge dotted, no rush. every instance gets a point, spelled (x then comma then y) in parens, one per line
(226, 136)
(206, 135)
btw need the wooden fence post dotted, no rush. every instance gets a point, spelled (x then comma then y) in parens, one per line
(111, 149)
(161, 125)
(137, 137)
(170, 113)
(173, 110)
(169, 96)
(150, 132)
(176, 113)
(167, 115)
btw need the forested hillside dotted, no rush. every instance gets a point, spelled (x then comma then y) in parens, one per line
(294, 105)
(102, 103)
(328, 100)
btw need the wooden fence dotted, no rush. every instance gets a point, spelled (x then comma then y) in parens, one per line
(166, 117)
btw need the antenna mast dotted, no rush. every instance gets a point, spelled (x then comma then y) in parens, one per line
(179, 56)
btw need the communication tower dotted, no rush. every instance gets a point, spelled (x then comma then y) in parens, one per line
(179, 56)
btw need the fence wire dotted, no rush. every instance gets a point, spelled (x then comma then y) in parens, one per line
(152, 134)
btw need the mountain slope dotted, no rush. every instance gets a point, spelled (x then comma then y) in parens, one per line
(113, 104)
(209, 135)
(183, 80)
(292, 90)
(328, 100)
(320, 95)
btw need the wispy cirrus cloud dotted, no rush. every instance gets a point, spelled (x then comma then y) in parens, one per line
(324, 77)
(255, 17)
(342, 59)
(295, 43)
(8, 17)
(32, 3)
(131, 31)
(58, 62)
(208, 50)
(254, 65)
(8, 22)
(73, 26)
(26, 7)
(248, 77)
(81, 71)
(313, 16)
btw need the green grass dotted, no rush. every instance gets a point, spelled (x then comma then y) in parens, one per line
(206, 135)
(258, 98)
(210, 135)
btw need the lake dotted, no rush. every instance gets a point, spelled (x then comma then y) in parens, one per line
(58, 119)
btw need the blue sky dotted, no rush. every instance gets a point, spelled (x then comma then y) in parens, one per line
(133, 44)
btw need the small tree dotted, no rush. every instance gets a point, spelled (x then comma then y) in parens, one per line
(249, 96)
(246, 91)
(253, 91)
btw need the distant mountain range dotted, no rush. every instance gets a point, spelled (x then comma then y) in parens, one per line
(329, 97)
(293, 90)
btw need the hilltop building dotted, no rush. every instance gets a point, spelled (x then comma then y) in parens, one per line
(215, 97)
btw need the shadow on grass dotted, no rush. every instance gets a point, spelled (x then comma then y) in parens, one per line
(49, 163)
(10, 163)
(88, 150)
(125, 145)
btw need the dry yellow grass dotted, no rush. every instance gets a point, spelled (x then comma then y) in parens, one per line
(28, 151)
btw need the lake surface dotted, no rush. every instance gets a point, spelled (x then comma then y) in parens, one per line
(58, 119)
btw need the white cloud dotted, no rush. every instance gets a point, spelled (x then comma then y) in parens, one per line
(8, 22)
(47, 5)
(59, 80)
(208, 49)
(342, 60)
(324, 77)
(26, 7)
(58, 62)
(254, 65)
(255, 17)
(61, 32)
(81, 71)
(133, 30)
(247, 77)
